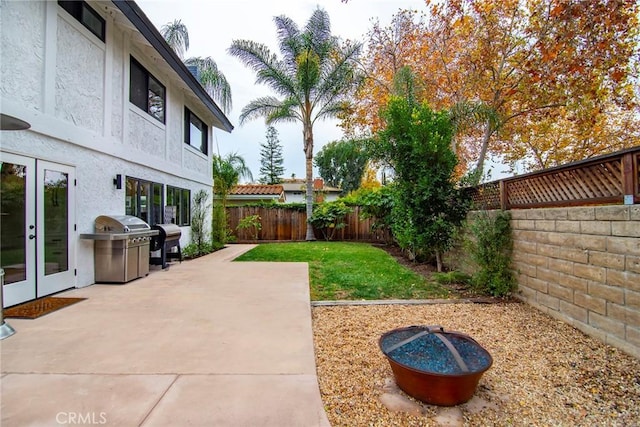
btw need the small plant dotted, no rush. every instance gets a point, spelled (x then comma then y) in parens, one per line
(452, 277)
(192, 251)
(251, 223)
(329, 217)
(492, 249)
(219, 229)
(199, 214)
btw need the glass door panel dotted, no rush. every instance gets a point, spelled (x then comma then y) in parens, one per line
(17, 227)
(56, 220)
(56, 242)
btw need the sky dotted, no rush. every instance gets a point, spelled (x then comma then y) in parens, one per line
(214, 24)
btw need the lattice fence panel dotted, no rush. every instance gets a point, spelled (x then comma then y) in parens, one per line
(600, 180)
(485, 196)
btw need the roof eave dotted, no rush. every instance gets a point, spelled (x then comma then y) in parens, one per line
(137, 17)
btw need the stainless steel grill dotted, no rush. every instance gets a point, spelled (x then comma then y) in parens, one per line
(121, 248)
(168, 238)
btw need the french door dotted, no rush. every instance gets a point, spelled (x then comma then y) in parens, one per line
(37, 247)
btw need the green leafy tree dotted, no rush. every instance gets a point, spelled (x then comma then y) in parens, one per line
(210, 77)
(271, 159)
(227, 172)
(342, 164)
(417, 143)
(313, 80)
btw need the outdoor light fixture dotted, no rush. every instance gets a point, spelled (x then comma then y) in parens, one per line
(117, 181)
(8, 122)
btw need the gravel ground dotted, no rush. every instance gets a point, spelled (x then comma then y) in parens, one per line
(545, 373)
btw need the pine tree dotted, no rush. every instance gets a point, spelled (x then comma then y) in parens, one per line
(271, 159)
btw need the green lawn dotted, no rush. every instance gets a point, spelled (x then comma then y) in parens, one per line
(341, 270)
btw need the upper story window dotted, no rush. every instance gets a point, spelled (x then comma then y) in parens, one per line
(195, 132)
(145, 91)
(86, 16)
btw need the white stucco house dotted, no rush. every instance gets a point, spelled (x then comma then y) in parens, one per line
(118, 126)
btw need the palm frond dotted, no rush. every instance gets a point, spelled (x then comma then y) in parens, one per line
(177, 36)
(318, 31)
(256, 56)
(261, 107)
(288, 39)
(465, 114)
(213, 80)
(268, 69)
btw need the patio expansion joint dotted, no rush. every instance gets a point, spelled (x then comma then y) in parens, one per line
(155, 405)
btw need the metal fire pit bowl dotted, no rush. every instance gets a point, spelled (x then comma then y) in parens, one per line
(434, 366)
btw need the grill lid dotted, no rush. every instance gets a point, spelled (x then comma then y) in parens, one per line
(120, 224)
(168, 231)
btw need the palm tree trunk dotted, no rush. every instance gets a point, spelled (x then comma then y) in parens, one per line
(488, 130)
(308, 152)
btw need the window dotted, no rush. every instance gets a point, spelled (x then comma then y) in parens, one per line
(195, 132)
(181, 200)
(143, 199)
(145, 91)
(86, 16)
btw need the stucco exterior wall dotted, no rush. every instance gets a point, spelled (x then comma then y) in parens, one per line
(73, 90)
(79, 81)
(582, 265)
(22, 46)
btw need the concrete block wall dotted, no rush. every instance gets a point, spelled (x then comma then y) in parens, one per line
(582, 265)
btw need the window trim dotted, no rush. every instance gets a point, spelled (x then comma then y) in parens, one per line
(76, 9)
(148, 76)
(204, 143)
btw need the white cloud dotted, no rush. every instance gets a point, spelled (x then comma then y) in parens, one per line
(214, 24)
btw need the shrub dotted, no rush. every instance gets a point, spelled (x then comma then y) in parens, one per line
(452, 277)
(492, 249)
(219, 228)
(329, 217)
(199, 214)
(192, 251)
(252, 223)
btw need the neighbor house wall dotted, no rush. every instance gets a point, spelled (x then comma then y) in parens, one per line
(582, 265)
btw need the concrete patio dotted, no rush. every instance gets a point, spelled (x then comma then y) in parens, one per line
(204, 343)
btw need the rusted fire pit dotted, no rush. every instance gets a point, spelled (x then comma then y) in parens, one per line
(434, 366)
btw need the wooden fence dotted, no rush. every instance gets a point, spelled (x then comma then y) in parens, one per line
(608, 179)
(282, 224)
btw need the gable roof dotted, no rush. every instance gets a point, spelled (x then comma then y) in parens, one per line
(137, 17)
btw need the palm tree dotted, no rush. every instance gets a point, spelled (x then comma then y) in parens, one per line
(210, 77)
(313, 80)
(227, 172)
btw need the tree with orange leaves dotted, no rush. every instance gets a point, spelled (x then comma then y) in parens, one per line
(559, 74)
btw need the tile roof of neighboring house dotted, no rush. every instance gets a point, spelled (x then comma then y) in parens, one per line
(257, 190)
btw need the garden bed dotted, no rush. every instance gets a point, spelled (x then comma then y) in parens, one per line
(544, 373)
